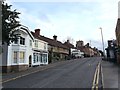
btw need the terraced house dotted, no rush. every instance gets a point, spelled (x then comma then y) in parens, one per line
(40, 50)
(56, 49)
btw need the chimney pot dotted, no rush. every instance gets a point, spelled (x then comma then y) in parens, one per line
(37, 32)
(55, 37)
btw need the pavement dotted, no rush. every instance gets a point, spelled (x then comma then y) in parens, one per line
(111, 75)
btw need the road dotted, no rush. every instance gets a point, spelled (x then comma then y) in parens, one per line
(69, 74)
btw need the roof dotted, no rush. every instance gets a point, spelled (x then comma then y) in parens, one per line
(69, 45)
(24, 28)
(51, 42)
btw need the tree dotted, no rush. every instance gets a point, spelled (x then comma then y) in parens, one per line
(9, 23)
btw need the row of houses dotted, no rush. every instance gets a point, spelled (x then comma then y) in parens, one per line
(33, 49)
(87, 49)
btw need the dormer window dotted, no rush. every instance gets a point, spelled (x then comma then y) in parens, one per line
(22, 41)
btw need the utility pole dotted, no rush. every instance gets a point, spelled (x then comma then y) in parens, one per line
(102, 41)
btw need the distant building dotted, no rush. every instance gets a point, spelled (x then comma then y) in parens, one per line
(88, 51)
(79, 43)
(111, 50)
(70, 46)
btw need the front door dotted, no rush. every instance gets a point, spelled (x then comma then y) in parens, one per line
(30, 61)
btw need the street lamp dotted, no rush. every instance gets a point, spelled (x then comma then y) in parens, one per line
(102, 41)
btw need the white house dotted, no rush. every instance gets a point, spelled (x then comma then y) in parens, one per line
(18, 55)
(40, 50)
(27, 51)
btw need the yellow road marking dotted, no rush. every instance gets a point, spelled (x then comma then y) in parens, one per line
(96, 77)
(102, 77)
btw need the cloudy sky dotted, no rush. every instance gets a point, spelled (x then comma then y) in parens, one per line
(78, 19)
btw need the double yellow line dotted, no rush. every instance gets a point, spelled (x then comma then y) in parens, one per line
(96, 78)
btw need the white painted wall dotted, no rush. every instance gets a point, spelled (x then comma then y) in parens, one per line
(17, 47)
(41, 45)
(41, 48)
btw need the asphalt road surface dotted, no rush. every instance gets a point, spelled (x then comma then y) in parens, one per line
(69, 74)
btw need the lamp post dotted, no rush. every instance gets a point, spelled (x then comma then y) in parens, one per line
(102, 41)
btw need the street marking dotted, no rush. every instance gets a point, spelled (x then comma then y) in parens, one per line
(96, 77)
(26, 74)
(102, 77)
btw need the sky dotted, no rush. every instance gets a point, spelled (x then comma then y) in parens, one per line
(75, 19)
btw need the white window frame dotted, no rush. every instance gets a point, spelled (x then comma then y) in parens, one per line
(17, 57)
(22, 59)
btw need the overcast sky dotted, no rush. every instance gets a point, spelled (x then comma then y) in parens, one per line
(78, 19)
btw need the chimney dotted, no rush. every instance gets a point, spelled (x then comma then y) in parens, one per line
(68, 41)
(37, 32)
(55, 37)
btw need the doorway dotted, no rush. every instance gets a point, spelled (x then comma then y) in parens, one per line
(30, 61)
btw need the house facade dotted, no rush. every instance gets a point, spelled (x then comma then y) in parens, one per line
(15, 57)
(26, 52)
(40, 50)
(56, 50)
(117, 32)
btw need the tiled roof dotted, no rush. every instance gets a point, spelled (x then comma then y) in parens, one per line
(51, 42)
(69, 45)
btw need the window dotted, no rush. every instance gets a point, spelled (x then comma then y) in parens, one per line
(35, 57)
(45, 46)
(36, 43)
(16, 42)
(30, 42)
(22, 57)
(22, 41)
(15, 55)
(44, 58)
